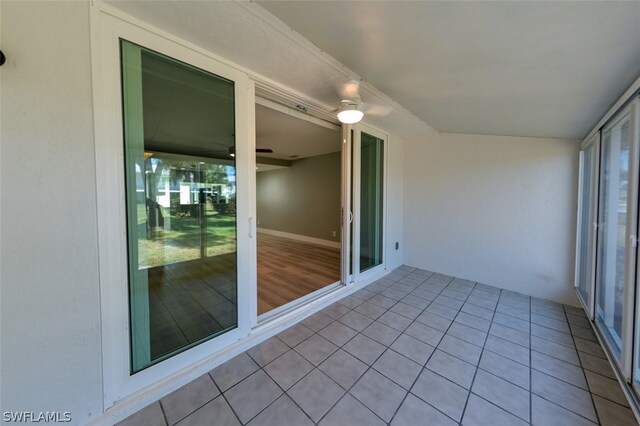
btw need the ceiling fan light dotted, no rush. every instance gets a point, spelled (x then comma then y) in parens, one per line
(350, 114)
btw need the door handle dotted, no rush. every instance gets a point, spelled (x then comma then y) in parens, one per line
(251, 227)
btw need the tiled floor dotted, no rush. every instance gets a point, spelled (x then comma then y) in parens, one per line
(413, 348)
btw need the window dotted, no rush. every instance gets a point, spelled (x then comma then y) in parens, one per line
(179, 132)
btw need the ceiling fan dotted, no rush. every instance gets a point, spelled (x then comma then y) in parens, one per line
(352, 109)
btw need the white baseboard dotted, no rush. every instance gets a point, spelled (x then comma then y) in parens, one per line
(303, 238)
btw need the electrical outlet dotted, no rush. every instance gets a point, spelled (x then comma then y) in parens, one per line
(334, 233)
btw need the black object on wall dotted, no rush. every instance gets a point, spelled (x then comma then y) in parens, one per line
(3, 58)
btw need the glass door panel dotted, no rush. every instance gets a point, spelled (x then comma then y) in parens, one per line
(371, 203)
(348, 252)
(585, 231)
(613, 236)
(180, 179)
(298, 206)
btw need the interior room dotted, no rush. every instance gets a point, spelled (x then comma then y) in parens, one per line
(298, 188)
(319, 212)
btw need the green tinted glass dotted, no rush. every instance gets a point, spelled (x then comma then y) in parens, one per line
(180, 176)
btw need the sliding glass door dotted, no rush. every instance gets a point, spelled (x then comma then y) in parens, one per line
(182, 179)
(585, 241)
(367, 201)
(298, 207)
(617, 224)
(179, 131)
(371, 200)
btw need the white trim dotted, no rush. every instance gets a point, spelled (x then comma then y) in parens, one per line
(627, 331)
(262, 332)
(346, 214)
(373, 131)
(289, 99)
(282, 28)
(106, 31)
(250, 176)
(636, 281)
(301, 301)
(266, 102)
(356, 190)
(581, 195)
(595, 182)
(634, 88)
(298, 237)
(628, 327)
(594, 166)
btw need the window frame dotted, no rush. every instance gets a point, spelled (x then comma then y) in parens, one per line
(594, 143)
(107, 31)
(357, 185)
(628, 329)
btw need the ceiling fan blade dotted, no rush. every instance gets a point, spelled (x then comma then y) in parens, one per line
(377, 110)
(349, 90)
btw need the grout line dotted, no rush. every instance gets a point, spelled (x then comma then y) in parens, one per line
(198, 407)
(475, 373)
(395, 282)
(285, 392)
(369, 367)
(593, 403)
(225, 398)
(164, 415)
(530, 367)
(435, 347)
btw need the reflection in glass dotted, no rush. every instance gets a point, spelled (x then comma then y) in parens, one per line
(612, 241)
(181, 192)
(371, 187)
(586, 221)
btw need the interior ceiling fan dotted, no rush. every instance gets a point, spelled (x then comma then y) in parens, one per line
(352, 109)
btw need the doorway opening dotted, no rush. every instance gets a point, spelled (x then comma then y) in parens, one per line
(298, 205)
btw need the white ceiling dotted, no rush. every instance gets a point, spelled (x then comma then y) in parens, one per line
(292, 138)
(249, 36)
(541, 69)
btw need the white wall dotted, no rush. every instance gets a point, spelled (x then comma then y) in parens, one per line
(303, 199)
(50, 306)
(395, 160)
(493, 209)
(50, 331)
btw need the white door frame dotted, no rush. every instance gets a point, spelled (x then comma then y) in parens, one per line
(346, 215)
(107, 28)
(357, 167)
(594, 167)
(107, 25)
(628, 314)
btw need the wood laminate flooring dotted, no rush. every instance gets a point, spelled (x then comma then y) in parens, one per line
(289, 269)
(189, 301)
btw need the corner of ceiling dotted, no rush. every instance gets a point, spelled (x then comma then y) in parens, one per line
(400, 121)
